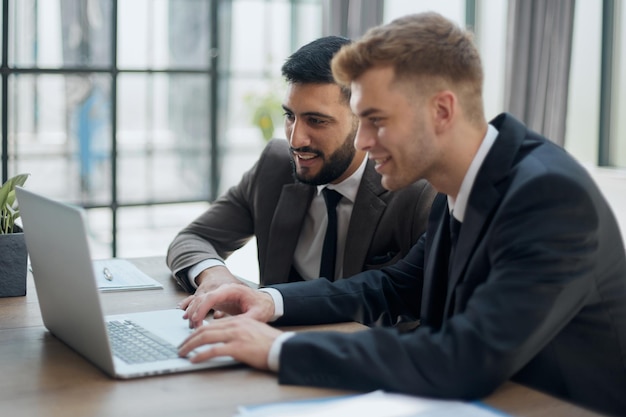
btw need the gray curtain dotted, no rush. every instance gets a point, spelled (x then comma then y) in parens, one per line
(351, 18)
(539, 43)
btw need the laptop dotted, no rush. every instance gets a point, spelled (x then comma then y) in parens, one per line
(69, 299)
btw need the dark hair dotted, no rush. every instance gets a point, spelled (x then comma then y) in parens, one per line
(311, 63)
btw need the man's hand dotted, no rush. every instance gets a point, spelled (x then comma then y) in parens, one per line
(241, 337)
(231, 299)
(213, 277)
(208, 280)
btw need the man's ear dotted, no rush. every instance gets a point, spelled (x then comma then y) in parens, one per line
(444, 107)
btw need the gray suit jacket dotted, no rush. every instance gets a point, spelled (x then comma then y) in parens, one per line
(537, 293)
(268, 203)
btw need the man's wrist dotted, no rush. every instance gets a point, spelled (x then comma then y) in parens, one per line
(273, 357)
(277, 297)
(195, 270)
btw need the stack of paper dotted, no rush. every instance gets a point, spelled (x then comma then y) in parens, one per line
(377, 403)
(122, 275)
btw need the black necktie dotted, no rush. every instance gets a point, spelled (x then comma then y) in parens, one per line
(455, 229)
(329, 251)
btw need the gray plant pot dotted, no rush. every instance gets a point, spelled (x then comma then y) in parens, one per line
(13, 265)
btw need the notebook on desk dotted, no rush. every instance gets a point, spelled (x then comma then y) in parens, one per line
(69, 300)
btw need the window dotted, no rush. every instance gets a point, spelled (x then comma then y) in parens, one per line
(120, 106)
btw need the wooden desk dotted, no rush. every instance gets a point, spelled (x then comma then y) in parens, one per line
(40, 376)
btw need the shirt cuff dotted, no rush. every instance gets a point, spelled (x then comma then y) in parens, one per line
(273, 358)
(279, 308)
(195, 270)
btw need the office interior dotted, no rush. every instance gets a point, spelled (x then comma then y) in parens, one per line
(144, 111)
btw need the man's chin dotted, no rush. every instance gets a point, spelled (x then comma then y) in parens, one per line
(392, 184)
(306, 179)
(305, 176)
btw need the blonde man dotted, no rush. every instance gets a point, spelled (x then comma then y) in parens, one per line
(534, 289)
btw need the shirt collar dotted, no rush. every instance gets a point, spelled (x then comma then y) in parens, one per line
(460, 203)
(350, 186)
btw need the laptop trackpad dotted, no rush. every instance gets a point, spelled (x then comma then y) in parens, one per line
(169, 325)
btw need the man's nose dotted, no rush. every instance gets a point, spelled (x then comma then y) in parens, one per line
(297, 135)
(364, 139)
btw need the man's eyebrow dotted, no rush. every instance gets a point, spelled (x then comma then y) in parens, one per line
(319, 115)
(310, 113)
(368, 112)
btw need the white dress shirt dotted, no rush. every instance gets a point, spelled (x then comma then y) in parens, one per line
(459, 203)
(308, 253)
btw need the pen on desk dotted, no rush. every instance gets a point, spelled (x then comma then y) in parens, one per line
(107, 274)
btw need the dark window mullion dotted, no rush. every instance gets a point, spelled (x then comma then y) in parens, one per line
(4, 68)
(113, 113)
(470, 14)
(214, 156)
(606, 82)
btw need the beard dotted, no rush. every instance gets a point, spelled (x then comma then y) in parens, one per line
(334, 166)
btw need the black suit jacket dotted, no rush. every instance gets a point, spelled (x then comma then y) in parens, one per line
(269, 204)
(537, 293)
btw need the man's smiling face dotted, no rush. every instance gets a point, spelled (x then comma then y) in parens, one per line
(320, 128)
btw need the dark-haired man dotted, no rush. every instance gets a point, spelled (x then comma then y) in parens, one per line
(280, 200)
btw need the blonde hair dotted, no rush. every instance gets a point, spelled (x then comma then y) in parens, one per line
(424, 48)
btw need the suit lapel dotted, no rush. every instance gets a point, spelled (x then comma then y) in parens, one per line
(367, 210)
(287, 221)
(485, 196)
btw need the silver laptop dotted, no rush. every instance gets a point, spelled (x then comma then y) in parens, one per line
(69, 300)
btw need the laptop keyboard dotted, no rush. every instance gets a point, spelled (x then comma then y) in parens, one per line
(134, 344)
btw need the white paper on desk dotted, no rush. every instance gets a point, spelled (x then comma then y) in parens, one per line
(126, 276)
(377, 403)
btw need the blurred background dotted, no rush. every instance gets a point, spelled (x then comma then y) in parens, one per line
(144, 111)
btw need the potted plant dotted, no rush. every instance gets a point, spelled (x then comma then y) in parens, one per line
(267, 112)
(13, 253)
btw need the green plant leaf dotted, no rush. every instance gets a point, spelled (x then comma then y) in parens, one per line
(9, 211)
